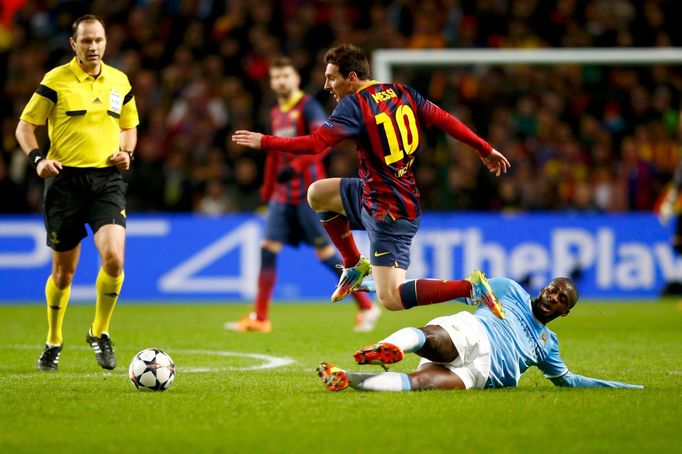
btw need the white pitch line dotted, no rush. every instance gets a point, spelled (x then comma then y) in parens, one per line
(269, 362)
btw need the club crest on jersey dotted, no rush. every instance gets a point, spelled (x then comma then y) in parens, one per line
(544, 337)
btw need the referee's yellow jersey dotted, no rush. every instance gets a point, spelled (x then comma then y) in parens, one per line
(84, 114)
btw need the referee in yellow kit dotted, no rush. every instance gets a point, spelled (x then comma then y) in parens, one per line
(91, 123)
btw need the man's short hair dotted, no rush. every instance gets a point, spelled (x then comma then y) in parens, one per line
(85, 18)
(349, 59)
(282, 62)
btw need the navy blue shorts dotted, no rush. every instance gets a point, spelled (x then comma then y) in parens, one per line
(389, 240)
(292, 224)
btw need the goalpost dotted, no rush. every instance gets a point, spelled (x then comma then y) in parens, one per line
(383, 60)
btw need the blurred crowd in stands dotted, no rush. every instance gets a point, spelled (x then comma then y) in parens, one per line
(583, 138)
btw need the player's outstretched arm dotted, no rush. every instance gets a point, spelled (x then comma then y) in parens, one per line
(247, 138)
(578, 381)
(310, 144)
(496, 162)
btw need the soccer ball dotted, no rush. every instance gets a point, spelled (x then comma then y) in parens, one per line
(152, 370)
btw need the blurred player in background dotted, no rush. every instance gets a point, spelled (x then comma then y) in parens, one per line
(478, 350)
(91, 118)
(386, 122)
(289, 218)
(670, 206)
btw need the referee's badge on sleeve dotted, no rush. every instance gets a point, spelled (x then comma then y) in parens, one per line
(115, 101)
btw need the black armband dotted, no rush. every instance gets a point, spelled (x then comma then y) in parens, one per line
(35, 156)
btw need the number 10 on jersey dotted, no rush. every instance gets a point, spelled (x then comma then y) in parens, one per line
(409, 134)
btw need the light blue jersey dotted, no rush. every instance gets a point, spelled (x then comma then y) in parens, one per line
(520, 340)
(516, 343)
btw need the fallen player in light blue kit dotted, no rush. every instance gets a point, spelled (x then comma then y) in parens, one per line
(478, 350)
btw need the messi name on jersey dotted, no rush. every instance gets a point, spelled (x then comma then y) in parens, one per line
(384, 95)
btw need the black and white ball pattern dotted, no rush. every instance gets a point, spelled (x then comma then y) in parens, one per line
(152, 369)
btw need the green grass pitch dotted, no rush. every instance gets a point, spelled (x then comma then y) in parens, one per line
(224, 400)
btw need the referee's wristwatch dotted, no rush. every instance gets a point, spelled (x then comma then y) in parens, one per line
(130, 155)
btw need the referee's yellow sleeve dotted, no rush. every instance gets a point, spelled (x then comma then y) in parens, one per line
(129, 118)
(37, 110)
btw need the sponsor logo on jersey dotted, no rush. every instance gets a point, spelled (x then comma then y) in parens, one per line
(401, 172)
(286, 131)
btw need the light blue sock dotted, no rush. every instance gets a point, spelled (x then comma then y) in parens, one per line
(409, 340)
(387, 381)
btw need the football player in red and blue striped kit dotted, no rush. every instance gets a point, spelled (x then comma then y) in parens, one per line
(386, 121)
(289, 218)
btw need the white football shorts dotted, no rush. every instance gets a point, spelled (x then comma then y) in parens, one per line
(471, 341)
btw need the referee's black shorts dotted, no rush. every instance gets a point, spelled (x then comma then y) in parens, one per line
(82, 195)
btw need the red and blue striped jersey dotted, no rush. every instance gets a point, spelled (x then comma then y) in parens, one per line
(299, 117)
(386, 122)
